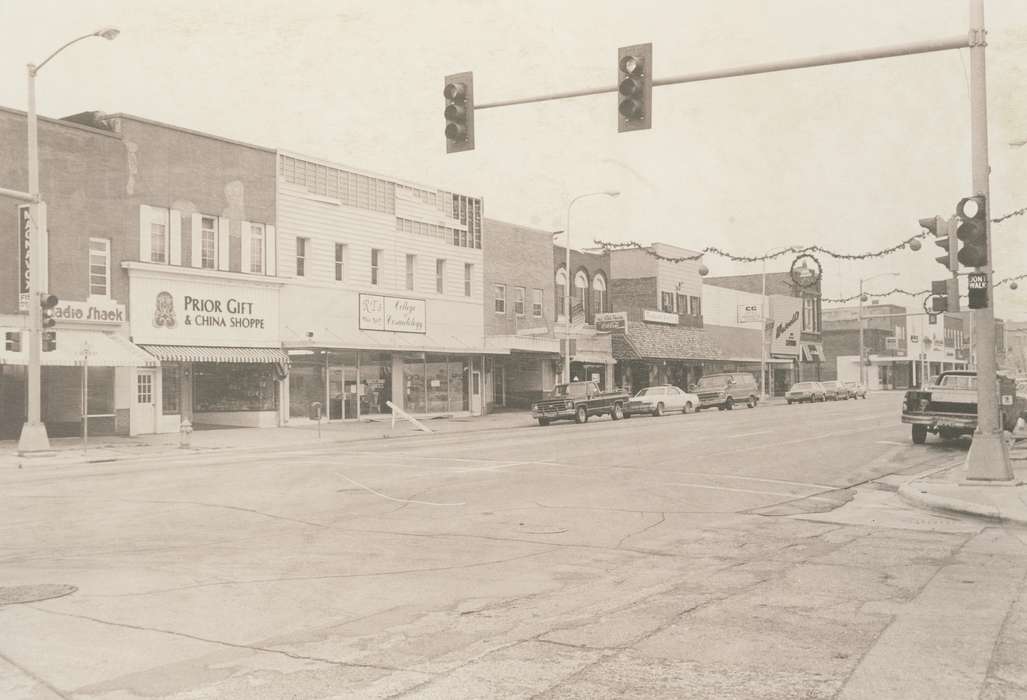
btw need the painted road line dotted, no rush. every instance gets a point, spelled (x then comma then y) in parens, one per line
(742, 435)
(890, 442)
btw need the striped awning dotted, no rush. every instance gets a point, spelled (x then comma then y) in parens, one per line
(80, 347)
(199, 353)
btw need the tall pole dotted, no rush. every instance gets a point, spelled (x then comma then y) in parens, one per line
(988, 458)
(862, 370)
(33, 433)
(763, 336)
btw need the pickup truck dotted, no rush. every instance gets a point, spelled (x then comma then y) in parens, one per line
(578, 401)
(948, 406)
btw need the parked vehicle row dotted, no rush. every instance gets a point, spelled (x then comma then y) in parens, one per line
(812, 392)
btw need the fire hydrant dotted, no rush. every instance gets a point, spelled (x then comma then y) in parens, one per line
(185, 431)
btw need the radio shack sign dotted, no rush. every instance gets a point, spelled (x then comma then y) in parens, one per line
(395, 314)
(105, 312)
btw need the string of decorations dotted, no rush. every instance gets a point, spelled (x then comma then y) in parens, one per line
(1010, 215)
(1011, 281)
(913, 243)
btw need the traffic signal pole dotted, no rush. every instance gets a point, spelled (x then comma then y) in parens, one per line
(988, 458)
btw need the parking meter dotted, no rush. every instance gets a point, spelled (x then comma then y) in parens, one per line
(315, 414)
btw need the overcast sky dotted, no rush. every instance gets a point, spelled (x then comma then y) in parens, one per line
(846, 156)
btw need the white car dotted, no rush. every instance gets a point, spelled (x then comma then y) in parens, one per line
(657, 400)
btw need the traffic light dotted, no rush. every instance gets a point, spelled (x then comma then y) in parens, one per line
(634, 87)
(945, 295)
(973, 231)
(12, 341)
(47, 302)
(944, 233)
(459, 94)
(49, 341)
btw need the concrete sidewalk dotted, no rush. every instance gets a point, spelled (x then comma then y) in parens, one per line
(948, 490)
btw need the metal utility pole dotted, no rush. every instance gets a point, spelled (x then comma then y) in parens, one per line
(862, 364)
(988, 458)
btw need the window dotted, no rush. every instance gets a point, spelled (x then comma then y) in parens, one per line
(500, 303)
(519, 301)
(580, 292)
(234, 387)
(440, 276)
(340, 262)
(351, 189)
(667, 302)
(411, 264)
(536, 303)
(682, 302)
(170, 396)
(208, 242)
(561, 290)
(599, 294)
(810, 322)
(158, 242)
(468, 273)
(99, 267)
(144, 388)
(377, 256)
(696, 306)
(301, 257)
(257, 248)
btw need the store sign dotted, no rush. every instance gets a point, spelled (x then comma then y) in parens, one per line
(786, 314)
(750, 313)
(891, 343)
(25, 251)
(173, 310)
(394, 314)
(659, 317)
(104, 312)
(614, 321)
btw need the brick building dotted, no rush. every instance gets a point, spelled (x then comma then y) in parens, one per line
(590, 294)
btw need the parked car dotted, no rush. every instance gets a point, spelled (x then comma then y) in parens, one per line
(948, 407)
(810, 392)
(835, 390)
(726, 390)
(856, 390)
(657, 400)
(578, 401)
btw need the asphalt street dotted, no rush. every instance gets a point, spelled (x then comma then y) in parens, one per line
(750, 553)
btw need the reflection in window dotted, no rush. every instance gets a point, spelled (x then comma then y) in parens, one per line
(234, 387)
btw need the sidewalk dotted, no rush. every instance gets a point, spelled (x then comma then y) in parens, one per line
(67, 451)
(948, 490)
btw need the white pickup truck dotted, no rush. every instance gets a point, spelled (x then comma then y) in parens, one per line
(948, 407)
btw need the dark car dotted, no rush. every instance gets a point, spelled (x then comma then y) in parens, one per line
(835, 390)
(578, 401)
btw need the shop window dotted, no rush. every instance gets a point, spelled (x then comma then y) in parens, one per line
(234, 387)
(208, 242)
(411, 264)
(468, 273)
(519, 301)
(667, 302)
(144, 388)
(536, 303)
(500, 299)
(440, 276)
(256, 248)
(301, 256)
(695, 306)
(340, 262)
(171, 403)
(377, 259)
(599, 294)
(99, 267)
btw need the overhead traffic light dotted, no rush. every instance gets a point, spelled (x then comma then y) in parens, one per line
(47, 302)
(973, 231)
(12, 341)
(49, 341)
(944, 233)
(459, 94)
(634, 87)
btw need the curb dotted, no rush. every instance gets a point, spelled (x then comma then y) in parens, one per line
(912, 494)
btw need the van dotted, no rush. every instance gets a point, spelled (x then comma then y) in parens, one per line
(727, 390)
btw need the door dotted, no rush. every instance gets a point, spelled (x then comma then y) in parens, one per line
(476, 393)
(144, 412)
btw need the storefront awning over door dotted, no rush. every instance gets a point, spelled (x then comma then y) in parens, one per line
(812, 352)
(197, 353)
(104, 350)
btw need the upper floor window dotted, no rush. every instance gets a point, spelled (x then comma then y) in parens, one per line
(599, 294)
(561, 289)
(440, 276)
(377, 260)
(340, 262)
(696, 306)
(208, 242)
(519, 301)
(158, 242)
(667, 302)
(411, 264)
(468, 274)
(581, 290)
(500, 298)
(301, 256)
(257, 248)
(536, 303)
(99, 267)
(810, 320)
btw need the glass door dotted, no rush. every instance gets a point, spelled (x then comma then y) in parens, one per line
(336, 393)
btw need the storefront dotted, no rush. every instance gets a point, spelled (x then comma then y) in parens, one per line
(215, 335)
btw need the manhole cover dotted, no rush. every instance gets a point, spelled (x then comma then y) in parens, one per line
(10, 595)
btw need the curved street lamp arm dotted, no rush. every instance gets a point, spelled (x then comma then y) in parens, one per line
(33, 69)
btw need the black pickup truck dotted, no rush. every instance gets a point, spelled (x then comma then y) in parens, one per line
(948, 406)
(578, 401)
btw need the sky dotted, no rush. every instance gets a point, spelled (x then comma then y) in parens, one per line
(848, 157)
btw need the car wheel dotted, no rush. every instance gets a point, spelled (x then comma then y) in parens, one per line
(752, 402)
(688, 407)
(789, 403)
(543, 422)
(919, 434)
(581, 415)
(658, 411)
(729, 405)
(618, 412)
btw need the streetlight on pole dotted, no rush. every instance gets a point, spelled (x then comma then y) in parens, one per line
(862, 364)
(33, 433)
(567, 286)
(763, 323)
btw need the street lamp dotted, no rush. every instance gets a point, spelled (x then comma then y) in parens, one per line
(33, 433)
(862, 298)
(763, 323)
(567, 287)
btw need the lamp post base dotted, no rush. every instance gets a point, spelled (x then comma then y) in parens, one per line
(988, 459)
(34, 439)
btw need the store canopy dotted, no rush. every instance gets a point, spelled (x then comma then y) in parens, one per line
(198, 353)
(646, 341)
(77, 347)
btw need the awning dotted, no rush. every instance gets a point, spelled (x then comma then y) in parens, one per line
(77, 347)
(199, 353)
(812, 352)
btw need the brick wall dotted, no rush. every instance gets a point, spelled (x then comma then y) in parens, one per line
(633, 296)
(591, 264)
(517, 256)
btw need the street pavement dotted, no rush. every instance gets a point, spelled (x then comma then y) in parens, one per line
(747, 554)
